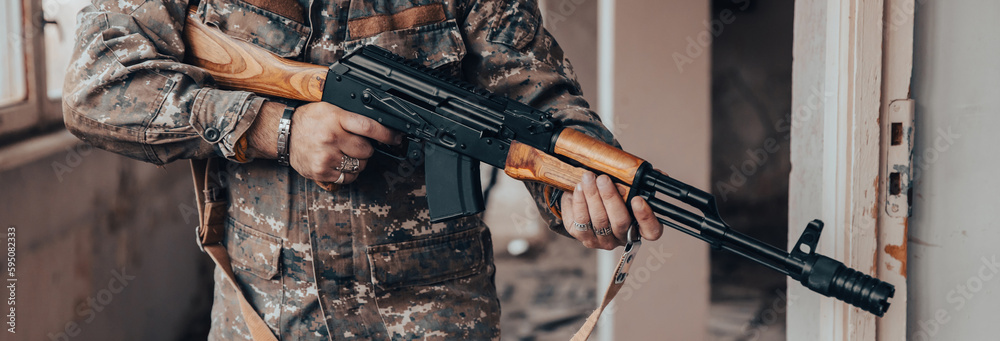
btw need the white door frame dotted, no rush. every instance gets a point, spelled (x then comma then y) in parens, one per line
(846, 71)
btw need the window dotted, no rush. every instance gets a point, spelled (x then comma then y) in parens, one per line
(13, 86)
(60, 33)
(37, 37)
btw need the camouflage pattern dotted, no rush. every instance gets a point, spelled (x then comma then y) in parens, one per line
(363, 262)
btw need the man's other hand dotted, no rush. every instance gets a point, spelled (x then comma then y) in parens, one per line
(596, 207)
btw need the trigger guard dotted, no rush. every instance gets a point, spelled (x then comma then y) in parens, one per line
(402, 152)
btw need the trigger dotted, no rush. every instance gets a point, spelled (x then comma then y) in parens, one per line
(398, 152)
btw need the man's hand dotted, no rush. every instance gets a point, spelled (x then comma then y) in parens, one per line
(597, 203)
(322, 134)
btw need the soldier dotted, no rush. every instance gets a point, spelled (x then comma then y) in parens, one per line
(361, 261)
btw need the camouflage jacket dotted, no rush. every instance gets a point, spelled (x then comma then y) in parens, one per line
(363, 262)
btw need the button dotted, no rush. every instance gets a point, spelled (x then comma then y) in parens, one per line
(212, 134)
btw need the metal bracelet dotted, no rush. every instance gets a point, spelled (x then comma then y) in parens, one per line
(284, 133)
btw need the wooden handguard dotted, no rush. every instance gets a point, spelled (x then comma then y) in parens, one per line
(236, 64)
(597, 155)
(526, 163)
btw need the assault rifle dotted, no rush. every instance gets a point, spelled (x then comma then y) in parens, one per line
(455, 126)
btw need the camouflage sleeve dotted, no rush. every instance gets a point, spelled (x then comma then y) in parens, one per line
(128, 92)
(510, 53)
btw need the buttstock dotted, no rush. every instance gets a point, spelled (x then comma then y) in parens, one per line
(526, 163)
(238, 65)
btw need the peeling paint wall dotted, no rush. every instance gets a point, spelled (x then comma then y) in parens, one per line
(954, 277)
(103, 250)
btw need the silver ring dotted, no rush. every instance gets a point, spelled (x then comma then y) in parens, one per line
(349, 165)
(340, 180)
(581, 227)
(603, 232)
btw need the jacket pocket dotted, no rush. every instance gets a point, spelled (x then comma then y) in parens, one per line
(427, 261)
(252, 251)
(441, 286)
(254, 256)
(437, 45)
(241, 20)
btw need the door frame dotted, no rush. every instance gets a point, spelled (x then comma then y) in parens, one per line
(852, 61)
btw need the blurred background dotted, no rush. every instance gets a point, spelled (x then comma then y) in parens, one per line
(698, 88)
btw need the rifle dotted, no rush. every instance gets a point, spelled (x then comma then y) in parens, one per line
(454, 126)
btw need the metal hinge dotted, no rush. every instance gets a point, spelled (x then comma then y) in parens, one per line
(899, 159)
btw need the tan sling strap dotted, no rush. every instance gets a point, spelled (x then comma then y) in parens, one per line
(212, 205)
(617, 281)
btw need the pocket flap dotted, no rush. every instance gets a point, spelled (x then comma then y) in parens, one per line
(252, 251)
(411, 17)
(238, 19)
(432, 45)
(427, 261)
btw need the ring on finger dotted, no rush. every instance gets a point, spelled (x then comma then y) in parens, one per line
(581, 227)
(349, 165)
(603, 232)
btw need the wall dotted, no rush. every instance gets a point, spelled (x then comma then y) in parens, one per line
(661, 113)
(953, 279)
(103, 249)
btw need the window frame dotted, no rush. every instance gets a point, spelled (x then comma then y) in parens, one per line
(36, 112)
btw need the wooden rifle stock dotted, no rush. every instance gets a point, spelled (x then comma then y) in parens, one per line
(239, 65)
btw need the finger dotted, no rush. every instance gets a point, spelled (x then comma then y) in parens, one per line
(566, 211)
(326, 167)
(364, 126)
(333, 176)
(649, 227)
(598, 215)
(614, 205)
(362, 163)
(336, 165)
(349, 178)
(355, 146)
(580, 215)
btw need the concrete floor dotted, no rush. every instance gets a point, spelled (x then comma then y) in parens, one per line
(746, 314)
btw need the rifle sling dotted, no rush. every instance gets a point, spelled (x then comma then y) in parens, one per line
(617, 282)
(211, 229)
